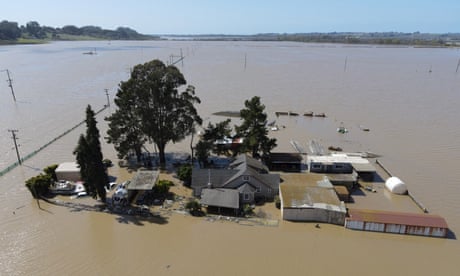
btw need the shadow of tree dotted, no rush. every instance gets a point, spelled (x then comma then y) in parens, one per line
(127, 215)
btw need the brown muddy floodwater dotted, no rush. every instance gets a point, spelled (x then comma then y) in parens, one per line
(408, 97)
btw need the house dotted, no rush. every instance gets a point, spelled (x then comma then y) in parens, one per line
(286, 162)
(397, 222)
(311, 199)
(246, 175)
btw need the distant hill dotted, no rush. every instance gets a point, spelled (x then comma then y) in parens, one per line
(382, 38)
(32, 32)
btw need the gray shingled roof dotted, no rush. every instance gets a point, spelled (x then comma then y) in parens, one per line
(243, 165)
(227, 198)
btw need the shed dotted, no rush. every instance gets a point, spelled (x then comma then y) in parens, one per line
(69, 171)
(143, 180)
(397, 222)
(396, 185)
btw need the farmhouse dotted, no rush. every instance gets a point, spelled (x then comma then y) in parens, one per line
(246, 175)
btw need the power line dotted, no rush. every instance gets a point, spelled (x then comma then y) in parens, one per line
(10, 83)
(13, 133)
(107, 94)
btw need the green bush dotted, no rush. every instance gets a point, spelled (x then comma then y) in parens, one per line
(107, 163)
(278, 202)
(39, 185)
(162, 187)
(194, 207)
(184, 173)
(248, 210)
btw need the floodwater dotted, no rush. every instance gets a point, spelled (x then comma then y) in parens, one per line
(407, 97)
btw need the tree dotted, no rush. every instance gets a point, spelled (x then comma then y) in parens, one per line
(159, 110)
(254, 129)
(184, 173)
(217, 132)
(89, 158)
(9, 30)
(125, 129)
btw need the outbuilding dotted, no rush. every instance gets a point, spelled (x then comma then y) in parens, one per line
(303, 202)
(68, 171)
(397, 222)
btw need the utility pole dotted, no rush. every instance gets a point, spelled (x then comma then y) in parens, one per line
(13, 132)
(107, 94)
(10, 83)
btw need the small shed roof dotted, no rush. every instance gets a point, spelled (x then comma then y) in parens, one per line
(68, 167)
(227, 198)
(387, 217)
(143, 180)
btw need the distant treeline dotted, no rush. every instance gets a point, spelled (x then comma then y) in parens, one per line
(384, 38)
(12, 32)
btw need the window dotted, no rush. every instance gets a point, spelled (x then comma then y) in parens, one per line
(245, 177)
(258, 189)
(246, 196)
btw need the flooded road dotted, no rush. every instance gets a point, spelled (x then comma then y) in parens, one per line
(407, 97)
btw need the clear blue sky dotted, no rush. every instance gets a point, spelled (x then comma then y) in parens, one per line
(241, 16)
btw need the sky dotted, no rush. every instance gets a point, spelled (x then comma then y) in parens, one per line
(241, 16)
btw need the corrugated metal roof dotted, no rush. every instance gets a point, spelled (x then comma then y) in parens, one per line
(388, 217)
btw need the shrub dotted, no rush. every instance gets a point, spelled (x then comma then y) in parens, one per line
(194, 207)
(277, 202)
(107, 163)
(162, 187)
(39, 185)
(248, 210)
(184, 173)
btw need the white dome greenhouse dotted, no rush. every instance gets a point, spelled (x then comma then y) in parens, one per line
(396, 185)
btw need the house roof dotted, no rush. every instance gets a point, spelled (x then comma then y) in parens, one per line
(227, 198)
(412, 219)
(244, 160)
(246, 188)
(143, 180)
(217, 177)
(242, 166)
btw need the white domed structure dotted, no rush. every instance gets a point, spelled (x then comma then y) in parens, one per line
(396, 185)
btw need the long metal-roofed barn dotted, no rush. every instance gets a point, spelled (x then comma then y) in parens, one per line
(397, 222)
